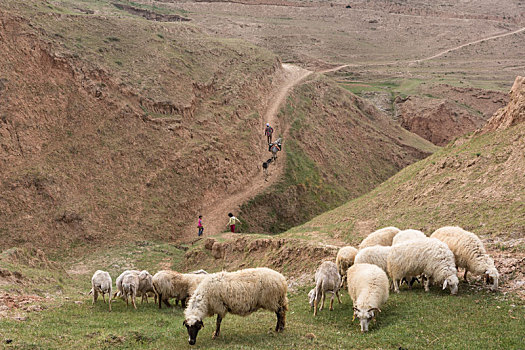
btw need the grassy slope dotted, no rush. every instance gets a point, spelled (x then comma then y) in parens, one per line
(338, 147)
(411, 319)
(92, 155)
(475, 183)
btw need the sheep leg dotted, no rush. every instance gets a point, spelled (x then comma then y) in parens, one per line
(166, 302)
(160, 301)
(104, 297)
(396, 284)
(332, 302)
(133, 300)
(322, 300)
(95, 295)
(426, 284)
(217, 327)
(465, 276)
(281, 319)
(126, 296)
(315, 307)
(109, 302)
(338, 297)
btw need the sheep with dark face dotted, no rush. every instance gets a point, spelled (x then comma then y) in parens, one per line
(240, 293)
(368, 288)
(469, 253)
(327, 279)
(101, 283)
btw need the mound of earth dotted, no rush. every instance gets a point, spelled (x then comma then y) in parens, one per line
(436, 120)
(513, 113)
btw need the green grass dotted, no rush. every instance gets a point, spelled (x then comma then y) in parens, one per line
(411, 320)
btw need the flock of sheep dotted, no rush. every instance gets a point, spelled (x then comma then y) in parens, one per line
(406, 255)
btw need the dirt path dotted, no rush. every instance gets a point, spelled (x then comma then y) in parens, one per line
(215, 213)
(467, 44)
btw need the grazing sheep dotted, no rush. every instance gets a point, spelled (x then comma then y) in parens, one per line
(172, 284)
(327, 279)
(345, 259)
(376, 255)
(469, 253)
(368, 288)
(146, 286)
(118, 282)
(407, 235)
(130, 286)
(240, 293)
(430, 257)
(380, 237)
(101, 283)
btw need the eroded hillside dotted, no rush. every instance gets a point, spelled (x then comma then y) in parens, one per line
(107, 121)
(338, 146)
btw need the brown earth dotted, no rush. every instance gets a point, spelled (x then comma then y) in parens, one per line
(513, 113)
(436, 120)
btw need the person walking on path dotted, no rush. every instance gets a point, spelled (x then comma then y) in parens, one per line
(200, 227)
(233, 220)
(268, 132)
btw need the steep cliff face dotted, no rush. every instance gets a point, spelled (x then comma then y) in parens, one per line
(513, 113)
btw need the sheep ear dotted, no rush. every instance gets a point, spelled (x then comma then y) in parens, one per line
(184, 323)
(374, 309)
(445, 284)
(356, 309)
(202, 324)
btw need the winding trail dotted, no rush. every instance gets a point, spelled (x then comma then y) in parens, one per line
(215, 213)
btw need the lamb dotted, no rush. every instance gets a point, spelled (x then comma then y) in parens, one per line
(240, 293)
(424, 256)
(469, 253)
(130, 286)
(380, 237)
(368, 288)
(171, 284)
(376, 255)
(145, 284)
(407, 235)
(345, 259)
(101, 283)
(327, 279)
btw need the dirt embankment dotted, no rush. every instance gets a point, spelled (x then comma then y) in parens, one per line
(513, 113)
(448, 112)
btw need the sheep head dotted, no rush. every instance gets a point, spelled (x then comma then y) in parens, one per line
(193, 325)
(365, 316)
(452, 283)
(311, 297)
(492, 277)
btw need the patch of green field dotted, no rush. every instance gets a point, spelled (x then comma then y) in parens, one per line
(411, 319)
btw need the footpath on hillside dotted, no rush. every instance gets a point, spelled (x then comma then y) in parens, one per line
(215, 213)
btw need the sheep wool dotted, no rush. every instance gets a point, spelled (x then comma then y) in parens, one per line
(130, 286)
(407, 235)
(327, 279)
(240, 293)
(423, 256)
(382, 236)
(345, 259)
(469, 253)
(376, 255)
(368, 288)
(101, 283)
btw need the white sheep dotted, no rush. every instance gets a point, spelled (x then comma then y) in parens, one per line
(145, 284)
(380, 237)
(376, 255)
(130, 286)
(430, 257)
(345, 259)
(368, 288)
(101, 283)
(469, 253)
(240, 293)
(327, 279)
(407, 235)
(171, 284)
